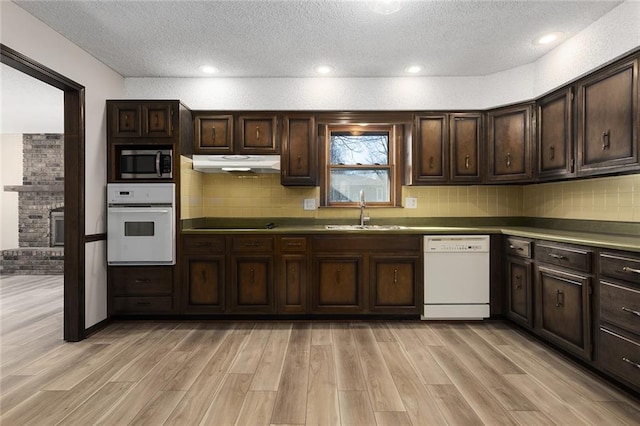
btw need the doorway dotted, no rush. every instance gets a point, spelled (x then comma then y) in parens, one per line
(74, 208)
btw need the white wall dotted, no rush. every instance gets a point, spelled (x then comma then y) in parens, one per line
(611, 36)
(10, 174)
(29, 36)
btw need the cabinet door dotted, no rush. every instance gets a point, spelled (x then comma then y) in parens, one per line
(608, 120)
(519, 295)
(157, 119)
(125, 119)
(431, 149)
(252, 284)
(554, 125)
(213, 134)
(562, 309)
(204, 289)
(339, 285)
(299, 151)
(466, 137)
(292, 285)
(257, 135)
(394, 284)
(510, 144)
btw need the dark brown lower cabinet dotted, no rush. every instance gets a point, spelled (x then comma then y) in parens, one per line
(339, 284)
(203, 288)
(252, 284)
(519, 291)
(140, 290)
(394, 283)
(563, 309)
(292, 285)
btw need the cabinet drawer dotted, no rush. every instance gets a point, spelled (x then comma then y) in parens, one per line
(518, 247)
(203, 244)
(620, 355)
(252, 244)
(621, 267)
(293, 244)
(142, 305)
(620, 306)
(129, 281)
(569, 257)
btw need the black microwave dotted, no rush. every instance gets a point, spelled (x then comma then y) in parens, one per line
(146, 164)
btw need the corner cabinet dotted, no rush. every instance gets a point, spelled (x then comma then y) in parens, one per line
(509, 144)
(608, 120)
(299, 158)
(555, 155)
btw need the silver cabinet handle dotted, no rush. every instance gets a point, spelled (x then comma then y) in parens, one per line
(631, 311)
(557, 256)
(628, 361)
(632, 270)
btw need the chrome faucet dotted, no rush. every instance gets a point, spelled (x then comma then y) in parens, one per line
(363, 218)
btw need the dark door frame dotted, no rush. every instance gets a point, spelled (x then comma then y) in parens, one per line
(74, 173)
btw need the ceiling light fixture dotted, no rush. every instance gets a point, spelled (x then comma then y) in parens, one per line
(208, 69)
(547, 38)
(324, 69)
(386, 7)
(413, 69)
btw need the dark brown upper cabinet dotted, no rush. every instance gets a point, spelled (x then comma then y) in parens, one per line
(257, 134)
(608, 120)
(555, 135)
(135, 119)
(299, 159)
(465, 134)
(509, 144)
(213, 133)
(430, 149)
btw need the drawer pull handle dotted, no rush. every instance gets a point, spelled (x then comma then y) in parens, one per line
(557, 256)
(606, 141)
(142, 280)
(252, 276)
(213, 133)
(628, 361)
(294, 244)
(508, 160)
(631, 311)
(512, 247)
(204, 244)
(143, 303)
(395, 276)
(552, 152)
(632, 270)
(257, 133)
(559, 303)
(252, 244)
(466, 162)
(431, 162)
(519, 282)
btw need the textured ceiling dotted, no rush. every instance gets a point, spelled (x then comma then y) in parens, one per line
(289, 38)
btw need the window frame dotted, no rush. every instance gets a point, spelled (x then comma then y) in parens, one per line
(394, 165)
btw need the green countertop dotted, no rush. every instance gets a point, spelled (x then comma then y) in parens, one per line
(615, 241)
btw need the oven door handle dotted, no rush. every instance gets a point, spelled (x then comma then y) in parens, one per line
(136, 210)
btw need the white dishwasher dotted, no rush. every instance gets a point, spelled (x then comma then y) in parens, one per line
(456, 277)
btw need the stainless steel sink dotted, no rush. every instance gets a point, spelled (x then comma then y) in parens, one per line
(367, 227)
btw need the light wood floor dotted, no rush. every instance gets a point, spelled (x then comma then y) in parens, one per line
(254, 373)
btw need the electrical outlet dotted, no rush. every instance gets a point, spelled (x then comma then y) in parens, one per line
(411, 203)
(309, 204)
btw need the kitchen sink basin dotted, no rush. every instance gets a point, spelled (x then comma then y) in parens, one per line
(367, 227)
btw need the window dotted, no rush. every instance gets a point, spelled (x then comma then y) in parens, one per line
(361, 158)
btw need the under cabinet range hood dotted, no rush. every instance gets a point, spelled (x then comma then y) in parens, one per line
(236, 163)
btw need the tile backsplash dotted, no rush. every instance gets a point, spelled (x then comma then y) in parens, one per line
(614, 198)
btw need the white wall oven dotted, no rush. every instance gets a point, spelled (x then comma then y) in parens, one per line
(141, 224)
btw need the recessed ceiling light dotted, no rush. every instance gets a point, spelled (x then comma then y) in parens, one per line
(547, 38)
(324, 69)
(386, 7)
(413, 69)
(208, 69)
